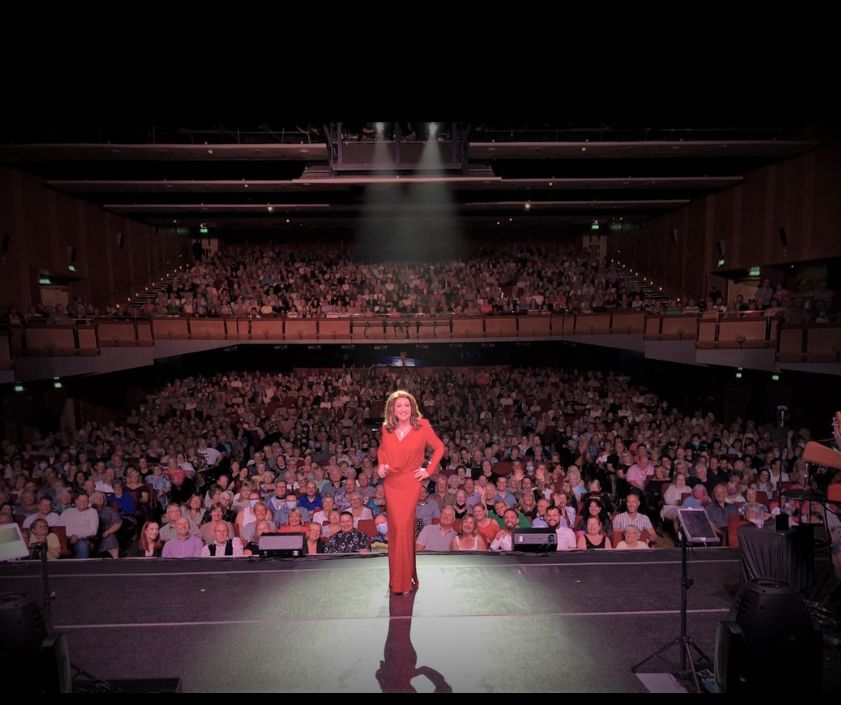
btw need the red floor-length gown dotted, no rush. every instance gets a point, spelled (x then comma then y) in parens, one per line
(402, 492)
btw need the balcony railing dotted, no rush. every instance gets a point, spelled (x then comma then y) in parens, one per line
(747, 330)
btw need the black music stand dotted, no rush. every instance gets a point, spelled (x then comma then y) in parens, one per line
(695, 528)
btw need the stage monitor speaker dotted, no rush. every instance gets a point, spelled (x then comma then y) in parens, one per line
(38, 662)
(768, 644)
(281, 545)
(535, 540)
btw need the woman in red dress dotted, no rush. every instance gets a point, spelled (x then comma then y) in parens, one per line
(405, 437)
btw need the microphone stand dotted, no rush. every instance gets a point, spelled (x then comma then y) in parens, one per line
(41, 551)
(683, 641)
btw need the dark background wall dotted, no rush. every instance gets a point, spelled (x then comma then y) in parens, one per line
(801, 196)
(43, 225)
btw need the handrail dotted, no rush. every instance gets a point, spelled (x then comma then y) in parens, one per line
(125, 292)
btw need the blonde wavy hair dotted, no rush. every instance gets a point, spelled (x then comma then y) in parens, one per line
(390, 418)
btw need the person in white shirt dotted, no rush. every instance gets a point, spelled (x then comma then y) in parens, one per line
(504, 540)
(222, 546)
(81, 523)
(45, 511)
(632, 539)
(567, 540)
(210, 454)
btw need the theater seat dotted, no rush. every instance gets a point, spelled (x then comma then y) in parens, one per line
(368, 527)
(734, 521)
(61, 532)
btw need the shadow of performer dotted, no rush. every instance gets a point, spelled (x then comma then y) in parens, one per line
(399, 666)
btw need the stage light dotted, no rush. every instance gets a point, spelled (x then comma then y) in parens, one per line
(768, 643)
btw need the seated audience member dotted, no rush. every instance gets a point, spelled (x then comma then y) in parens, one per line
(347, 539)
(756, 515)
(261, 513)
(381, 525)
(718, 511)
(438, 537)
(468, 538)
(216, 513)
(333, 525)
(110, 523)
(41, 537)
(183, 545)
(45, 511)
(172, 515)
(322, 516)
(566, 539)
(81, 523)
(593, 537)
(282, 515)
(504, 540)
(631, 515)
(594, 507)
(252, 548)
(314, 543)
(485, 526)
(674, 496)
(358, 510)
(568, 511)
(224, 544)
(632, 539)
(699, 498)
(377, 503)
(148, 544)
(297, 524)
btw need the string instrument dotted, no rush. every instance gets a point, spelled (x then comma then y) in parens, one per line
(819, 454)
(823, 455)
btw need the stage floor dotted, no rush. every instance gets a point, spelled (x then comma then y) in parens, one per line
(479, 623)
